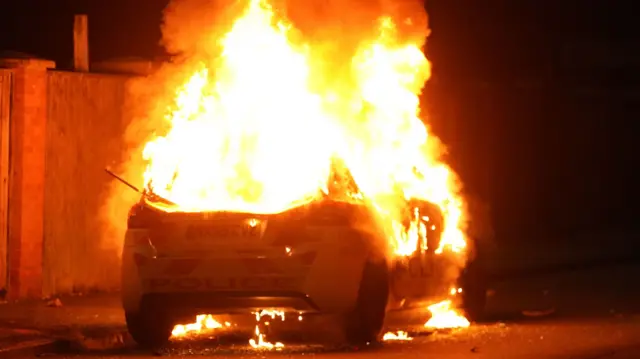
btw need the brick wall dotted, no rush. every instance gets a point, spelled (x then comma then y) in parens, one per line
(26, 177)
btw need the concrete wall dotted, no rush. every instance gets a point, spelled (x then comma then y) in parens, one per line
(87, 121)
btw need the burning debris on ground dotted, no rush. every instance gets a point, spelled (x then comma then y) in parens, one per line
(399, 336)
(203, 323)
(444, 316)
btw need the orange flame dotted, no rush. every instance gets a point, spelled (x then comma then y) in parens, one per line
(444, 317)
(260, 342)
(256, 128)
(204, 322)
(398, 336)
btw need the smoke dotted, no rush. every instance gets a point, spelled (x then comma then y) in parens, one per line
(196, 26)
(129, 163)
(351, 21)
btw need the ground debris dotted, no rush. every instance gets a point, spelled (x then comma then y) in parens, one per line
(56, 302)
(538, 313)
(98, 341)
(475, 350)
(104, 343)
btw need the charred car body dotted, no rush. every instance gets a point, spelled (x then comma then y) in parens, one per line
(329, 256)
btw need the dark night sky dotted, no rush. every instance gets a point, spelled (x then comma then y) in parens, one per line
(487, 34)
(542, 131)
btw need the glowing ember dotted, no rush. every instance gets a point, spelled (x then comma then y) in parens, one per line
(256, 127)
(259, 342)
(399, 336)
(269, 313)
(204, 322)
(443, 317)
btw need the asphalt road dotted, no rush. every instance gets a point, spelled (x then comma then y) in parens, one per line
(590, 314)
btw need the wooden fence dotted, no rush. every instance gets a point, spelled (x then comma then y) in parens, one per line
(86, 123)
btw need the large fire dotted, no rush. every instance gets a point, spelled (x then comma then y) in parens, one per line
(258, 127)
(253, 131)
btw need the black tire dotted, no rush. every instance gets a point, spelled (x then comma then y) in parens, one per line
(364, 324)
(473, 282)
(149, 330)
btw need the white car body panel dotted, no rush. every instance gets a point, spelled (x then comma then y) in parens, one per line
(326, 267)
(322, 269)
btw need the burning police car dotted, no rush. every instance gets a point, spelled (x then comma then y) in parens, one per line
(329, 256)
